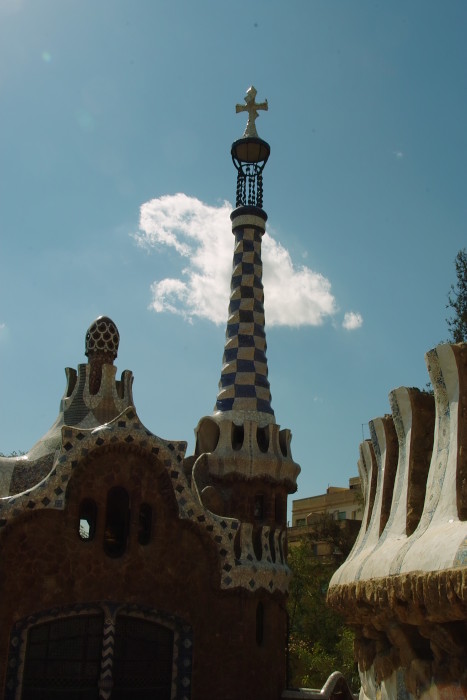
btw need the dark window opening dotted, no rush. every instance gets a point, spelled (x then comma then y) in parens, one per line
(144, 524)
(143, 660)
(87, 519)
(116, 522)
(238, 436)
(259, 624)
(207, 436)
(259, 507)
(63, 659)
(72, 378)
(262, 438)
(257, 542)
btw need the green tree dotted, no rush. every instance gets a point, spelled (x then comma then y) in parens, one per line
(319, 642)
(340, 534)
(457, 301)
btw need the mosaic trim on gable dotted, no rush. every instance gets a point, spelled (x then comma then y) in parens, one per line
(182, 647)
(246, 572)
(26, 474)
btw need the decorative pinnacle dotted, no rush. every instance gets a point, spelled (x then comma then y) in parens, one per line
(251, 107)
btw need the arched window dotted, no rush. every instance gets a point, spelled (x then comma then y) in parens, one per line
(262, 438)
(68, 656)
(63, 656)
(144, 524)
(116, 521)
(87, 519)
(143, 659)
(238, 436)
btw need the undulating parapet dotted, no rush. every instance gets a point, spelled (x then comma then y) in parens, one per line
(404, 585)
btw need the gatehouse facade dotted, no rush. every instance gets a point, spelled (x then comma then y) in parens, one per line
(130, 569)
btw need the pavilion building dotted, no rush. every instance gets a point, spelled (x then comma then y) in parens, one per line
(130, 570)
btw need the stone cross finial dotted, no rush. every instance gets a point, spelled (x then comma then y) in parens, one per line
(251, 107)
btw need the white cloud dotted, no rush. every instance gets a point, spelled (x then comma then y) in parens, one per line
(295, 295)
(352, 321)
(199, 234)
(2, 326)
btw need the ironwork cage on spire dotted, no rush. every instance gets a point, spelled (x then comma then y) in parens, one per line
(250, 155)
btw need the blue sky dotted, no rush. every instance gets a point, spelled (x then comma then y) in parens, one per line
(116, 110)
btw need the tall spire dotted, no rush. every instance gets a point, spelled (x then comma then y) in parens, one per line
(244, 387)
(241, 443)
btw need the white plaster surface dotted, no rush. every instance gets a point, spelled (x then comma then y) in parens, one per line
(352, 567)
(440, 540)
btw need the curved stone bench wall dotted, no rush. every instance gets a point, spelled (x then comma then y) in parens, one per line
(404, 585)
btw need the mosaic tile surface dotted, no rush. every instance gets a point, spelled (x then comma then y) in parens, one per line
(244, 384)
(126, 429)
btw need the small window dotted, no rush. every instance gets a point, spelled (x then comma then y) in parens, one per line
(300, 522)
(262, 438)
(259, 507)
(238, 436)
(341, 515)
(207, 436)
(144, 524)
(116, 522)
(87, 519)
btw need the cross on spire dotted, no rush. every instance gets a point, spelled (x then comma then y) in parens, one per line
(251, 107)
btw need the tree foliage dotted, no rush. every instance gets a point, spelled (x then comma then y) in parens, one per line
(319, 642)
(457, 301)
(340, 534)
